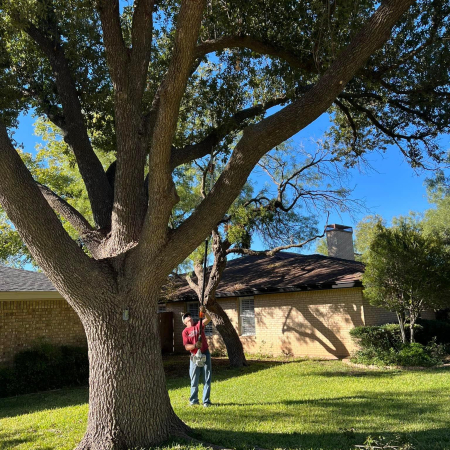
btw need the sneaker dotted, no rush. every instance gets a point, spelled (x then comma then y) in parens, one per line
(194, 404)
(207, 405)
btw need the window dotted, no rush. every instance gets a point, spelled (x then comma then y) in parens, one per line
(247, 316)
(161, 307)
(192, 309)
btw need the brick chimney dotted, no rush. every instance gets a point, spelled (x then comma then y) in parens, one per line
(340, 241)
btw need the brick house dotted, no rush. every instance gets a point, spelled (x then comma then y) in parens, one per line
(304, 305)
(292, 304)
(31, 309)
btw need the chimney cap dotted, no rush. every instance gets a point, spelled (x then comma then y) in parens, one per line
(335, 226)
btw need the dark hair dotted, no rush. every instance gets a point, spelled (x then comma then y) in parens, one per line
(185, 315)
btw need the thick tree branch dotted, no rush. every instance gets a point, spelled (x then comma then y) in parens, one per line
(217, 45)
(260, 138)
(91, 238)
(75, 131)
(234, 123)
(141, 38)
(57, 254)
(59, 205)
(128, 68)
(162, 192)
(116, 51)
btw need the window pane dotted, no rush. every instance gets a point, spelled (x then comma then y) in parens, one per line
(247, 316)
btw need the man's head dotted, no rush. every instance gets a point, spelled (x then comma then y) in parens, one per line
(187, 320)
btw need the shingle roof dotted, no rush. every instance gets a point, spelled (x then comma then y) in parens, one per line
(23, 280)
(282, 272)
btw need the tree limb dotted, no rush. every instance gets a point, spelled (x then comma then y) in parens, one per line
(234, 123)
(42, 232)
(162, 191)
(59, 205)
(74, 129)
(217, 45)
(247, 251)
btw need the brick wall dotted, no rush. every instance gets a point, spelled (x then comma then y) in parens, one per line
(23, 323)
(377, 316)
(314, 323)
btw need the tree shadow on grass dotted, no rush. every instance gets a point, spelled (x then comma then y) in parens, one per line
(353, 418)
(177, 369)
(30, 403)
(343, 439)
(348, 371)
(11, 440)
(176, 373)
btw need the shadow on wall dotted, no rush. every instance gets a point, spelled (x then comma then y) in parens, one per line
(311, 326)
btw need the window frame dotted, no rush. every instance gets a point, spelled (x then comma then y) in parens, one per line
(252, 331)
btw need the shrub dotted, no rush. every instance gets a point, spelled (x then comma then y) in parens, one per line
(45, 367)
(382, 337)
(382, 346)
(418, 355)
(409, 355)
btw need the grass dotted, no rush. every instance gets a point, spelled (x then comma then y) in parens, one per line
(307, 405)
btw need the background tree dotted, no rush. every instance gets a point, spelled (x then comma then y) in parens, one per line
(152, 84)
(303, 186)
(406, 271)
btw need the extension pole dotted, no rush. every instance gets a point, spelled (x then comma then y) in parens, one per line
(211, 181)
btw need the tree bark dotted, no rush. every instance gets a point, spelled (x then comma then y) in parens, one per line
(401, 322)
(125, 357)
(229, 335)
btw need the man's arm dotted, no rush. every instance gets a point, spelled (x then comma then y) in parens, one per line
(207, 318)
(190, 347)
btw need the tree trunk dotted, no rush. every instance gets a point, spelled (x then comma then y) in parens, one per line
(229, 335)
(129, 405)
(412, 322)
(401, 322)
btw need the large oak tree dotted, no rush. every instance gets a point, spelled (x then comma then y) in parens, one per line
(161, 84)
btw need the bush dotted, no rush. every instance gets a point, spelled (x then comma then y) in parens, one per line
(382, 346)
(409, 355)
(45, 367)
(382, 337)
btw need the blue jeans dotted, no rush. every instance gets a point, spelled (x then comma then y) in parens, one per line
(194, 373)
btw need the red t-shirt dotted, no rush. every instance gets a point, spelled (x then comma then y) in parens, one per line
(190, 336)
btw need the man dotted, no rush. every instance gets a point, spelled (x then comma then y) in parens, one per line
(193, 342)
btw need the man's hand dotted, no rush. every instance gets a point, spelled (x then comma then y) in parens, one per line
(198, 344)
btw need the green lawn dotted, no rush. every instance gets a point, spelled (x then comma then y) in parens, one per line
(302, 405)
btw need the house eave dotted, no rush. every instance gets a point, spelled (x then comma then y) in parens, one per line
(29, 295)
(271, 290)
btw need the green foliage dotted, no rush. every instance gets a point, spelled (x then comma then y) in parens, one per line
(382, 346)
(408, 355)
(365, 232)
(322, 246)
(406, 270)
(381, 337)
(45, 367)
